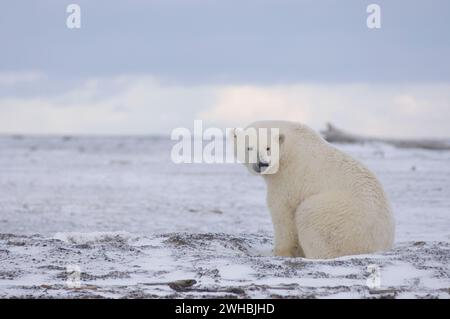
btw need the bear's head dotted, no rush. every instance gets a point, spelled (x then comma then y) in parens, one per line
(260, 146)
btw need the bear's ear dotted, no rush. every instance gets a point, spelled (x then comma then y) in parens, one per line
(281, 139)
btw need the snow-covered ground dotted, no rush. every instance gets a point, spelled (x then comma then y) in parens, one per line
(115, 212)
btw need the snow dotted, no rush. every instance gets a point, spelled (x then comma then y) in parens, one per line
(139, 226)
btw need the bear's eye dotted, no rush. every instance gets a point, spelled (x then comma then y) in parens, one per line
(268, 149)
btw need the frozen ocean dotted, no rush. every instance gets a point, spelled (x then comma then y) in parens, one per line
(103, 216)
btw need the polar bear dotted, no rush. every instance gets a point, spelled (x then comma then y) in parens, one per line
(323, 203)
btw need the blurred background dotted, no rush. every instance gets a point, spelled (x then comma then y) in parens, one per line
(146, 67)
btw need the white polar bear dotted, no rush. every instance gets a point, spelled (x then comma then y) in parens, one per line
(324, 203)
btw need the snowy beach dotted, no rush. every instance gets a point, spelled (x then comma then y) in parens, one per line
(135, 225)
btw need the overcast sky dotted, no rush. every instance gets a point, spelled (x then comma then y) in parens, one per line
(143, 67)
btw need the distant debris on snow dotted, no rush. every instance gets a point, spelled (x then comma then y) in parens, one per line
(335, 135)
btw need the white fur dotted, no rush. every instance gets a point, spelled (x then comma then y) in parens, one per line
(324, 203)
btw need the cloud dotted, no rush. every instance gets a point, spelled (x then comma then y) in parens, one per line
(142, 104)
(117, 105)
(243, 104)
(381, 110)
(14, 78)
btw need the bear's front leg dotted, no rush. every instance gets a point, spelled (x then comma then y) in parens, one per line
(286, 238)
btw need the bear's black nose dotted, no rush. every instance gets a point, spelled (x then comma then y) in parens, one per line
(263, 164)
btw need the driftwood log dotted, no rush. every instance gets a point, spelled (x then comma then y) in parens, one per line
(334, 135)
